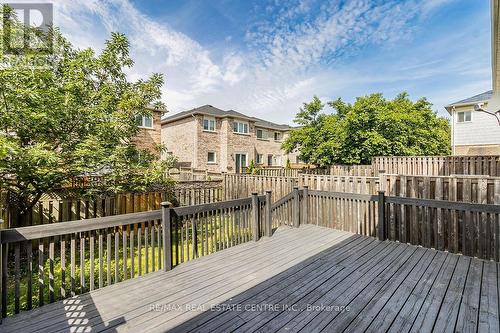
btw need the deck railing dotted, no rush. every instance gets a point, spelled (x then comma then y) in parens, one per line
(44, 263)
(134, 244)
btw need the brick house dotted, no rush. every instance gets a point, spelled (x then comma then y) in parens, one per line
(149, 135)
(224, 141)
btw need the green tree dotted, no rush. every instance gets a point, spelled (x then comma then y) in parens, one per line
(71, 113)
(371, 126)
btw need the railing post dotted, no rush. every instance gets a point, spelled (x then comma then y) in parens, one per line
(296, 207)
(167, 235)
(2, 287)
(269, 217)
(305, 203)
(255, 216)
(381, 216)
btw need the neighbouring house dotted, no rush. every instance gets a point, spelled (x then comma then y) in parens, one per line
(477, 132)
(224, 141)
(149, 135)
(473, 132)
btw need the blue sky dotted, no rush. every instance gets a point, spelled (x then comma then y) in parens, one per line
(266, 58)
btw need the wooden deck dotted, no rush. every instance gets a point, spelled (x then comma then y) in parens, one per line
(310, 279)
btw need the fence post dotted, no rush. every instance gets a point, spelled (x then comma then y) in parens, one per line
(305, 203)
(167, 236)
(296, 207)
(269, 215)
(381, 180)
(255, 216)
(381, 215)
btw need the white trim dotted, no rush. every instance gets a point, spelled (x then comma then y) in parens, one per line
(143, 121)
(241, 123)
(465, 121)
(209, 119)
(215, 157)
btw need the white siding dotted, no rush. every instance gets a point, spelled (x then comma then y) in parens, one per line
(483, 129)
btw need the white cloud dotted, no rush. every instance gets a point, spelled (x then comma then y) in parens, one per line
(290, 53)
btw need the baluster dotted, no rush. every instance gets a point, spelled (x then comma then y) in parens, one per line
(100, 240)
(17, 255)
(40, 272)
(73, 264)
(146, 246)
(91, 240)
(132, 253)
(117, 255)
(108, 257)
(29, 256)
(124, 252)
(51, 270)
(62, 291)
(82, 263)
(139, 248)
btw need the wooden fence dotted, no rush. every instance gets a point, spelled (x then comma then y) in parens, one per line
(191, 174)
(278, 172)
(240, 186)
(347, 184)
(438, 165)
(352, 170)
(475, 189)
(54, 208)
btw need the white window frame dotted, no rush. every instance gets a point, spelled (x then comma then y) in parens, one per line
(143, 121)
(209, 120)
(264, 134)
(215, 157)
(242, 129)
(464, 113)
(259, 160)
(279, 136)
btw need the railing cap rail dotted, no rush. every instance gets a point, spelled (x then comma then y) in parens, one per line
(66, 228)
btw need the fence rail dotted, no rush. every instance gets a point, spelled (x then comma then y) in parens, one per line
(438, 165)
(241, 186)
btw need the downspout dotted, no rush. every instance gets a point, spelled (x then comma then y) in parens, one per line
(453, 152)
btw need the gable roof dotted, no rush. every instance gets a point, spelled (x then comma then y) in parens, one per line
(483, 97)
(210, 110)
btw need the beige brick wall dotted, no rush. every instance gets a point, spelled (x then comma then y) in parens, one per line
(187, 140)
(180, 139)
(150, 138)
(208, 142)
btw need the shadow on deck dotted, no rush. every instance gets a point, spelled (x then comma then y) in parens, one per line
(310, 278)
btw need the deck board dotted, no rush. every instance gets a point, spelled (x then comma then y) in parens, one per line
(290, 282)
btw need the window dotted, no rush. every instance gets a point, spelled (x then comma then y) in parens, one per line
(277, 136)
(209, 124)
(270, 160)
(239, 127)
(464, 116)
(144, 121)
(211, 158)
(261, 134)
(260, 157)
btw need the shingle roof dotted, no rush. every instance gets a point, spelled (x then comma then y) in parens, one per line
(477, 98)
(213, 111)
